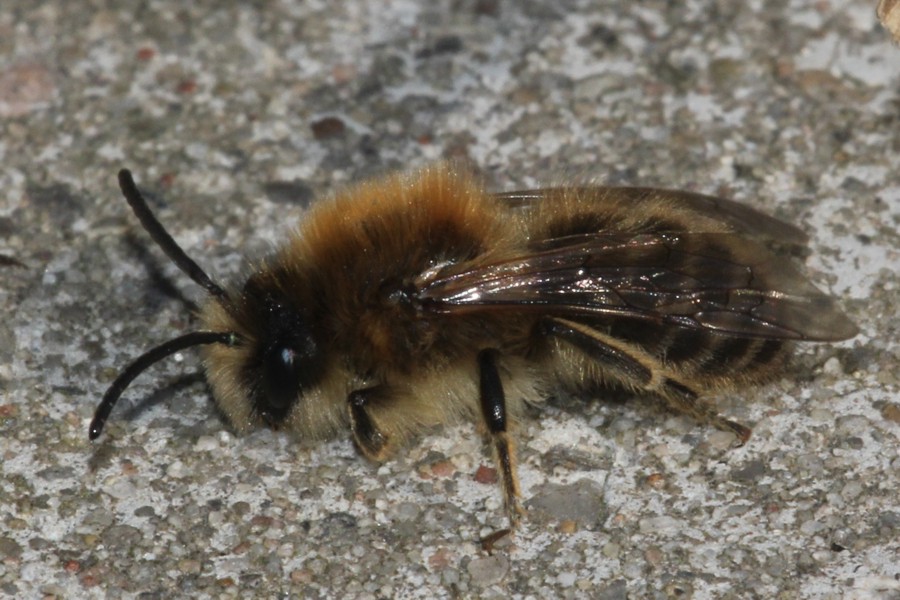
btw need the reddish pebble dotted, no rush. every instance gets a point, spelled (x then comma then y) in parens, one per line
(72, 566)
(167, 179)
(327, 127)
(656, 480)
(443, 468)
(262, 521)
(146, 53)
(441, 559)
(188, 86)
(486, 475)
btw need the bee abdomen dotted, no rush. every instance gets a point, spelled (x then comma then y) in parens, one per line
(706, 354)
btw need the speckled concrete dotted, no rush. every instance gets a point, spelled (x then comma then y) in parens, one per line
(233, 120)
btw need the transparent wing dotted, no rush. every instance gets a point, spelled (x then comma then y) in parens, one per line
(739, 217)
(714, 281)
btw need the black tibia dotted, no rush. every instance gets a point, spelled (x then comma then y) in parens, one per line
(493, 401)
(369, 439)
(629, 364)
(493, 409)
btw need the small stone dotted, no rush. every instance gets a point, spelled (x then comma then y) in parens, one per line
(660, 525)
(654, 555)
(488, 570)
(891, 412)
(301, 576)
(206, 443)
(189, 565)
(567, 526)
(851, 490)
(176, 470)
(441, 559)
(751, 471)
(581, 502)
(611, 550)
(487, 475)
(656, 480)
(566, 579)
(327, 127)
(832, 367)
(9, 548)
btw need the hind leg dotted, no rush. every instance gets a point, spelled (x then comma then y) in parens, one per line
(631, 366)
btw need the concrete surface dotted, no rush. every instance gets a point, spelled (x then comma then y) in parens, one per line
(233, 118)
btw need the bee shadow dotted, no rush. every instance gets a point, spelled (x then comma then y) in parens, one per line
(182, 382)
(158, 288)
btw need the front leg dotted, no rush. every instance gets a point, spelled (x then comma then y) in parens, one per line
(370, 440)
(493, 410)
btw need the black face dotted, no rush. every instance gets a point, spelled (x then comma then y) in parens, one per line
(288, 357)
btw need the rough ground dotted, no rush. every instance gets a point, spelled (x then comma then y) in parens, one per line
(234, 119)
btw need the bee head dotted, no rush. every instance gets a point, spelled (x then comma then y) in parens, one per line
(285, 357)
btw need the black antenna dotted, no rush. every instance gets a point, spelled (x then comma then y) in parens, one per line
(191, 269)
(196, 338)
(164, 240)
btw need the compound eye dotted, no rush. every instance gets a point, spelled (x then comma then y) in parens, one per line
(287, 358)
(282, 377)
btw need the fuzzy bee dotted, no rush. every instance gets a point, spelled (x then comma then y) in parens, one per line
(421, 300)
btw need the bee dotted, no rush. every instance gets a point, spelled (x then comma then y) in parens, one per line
(420, 299)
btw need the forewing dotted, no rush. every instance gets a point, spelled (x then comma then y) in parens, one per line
(714, 281)
(739, 217)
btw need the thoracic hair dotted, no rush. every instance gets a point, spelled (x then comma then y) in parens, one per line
(348, 270)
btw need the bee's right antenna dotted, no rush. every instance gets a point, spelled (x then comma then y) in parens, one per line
(164, 240)
(196, 338)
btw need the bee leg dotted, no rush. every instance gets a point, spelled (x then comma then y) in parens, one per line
(634, 367)
(493, 409)
(370, 440)
(682, 398)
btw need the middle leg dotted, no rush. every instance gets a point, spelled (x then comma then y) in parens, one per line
(493, 410)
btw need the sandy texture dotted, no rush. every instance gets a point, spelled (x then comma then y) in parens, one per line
(233, 119)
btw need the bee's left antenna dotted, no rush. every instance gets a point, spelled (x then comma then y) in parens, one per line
(163, 239)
